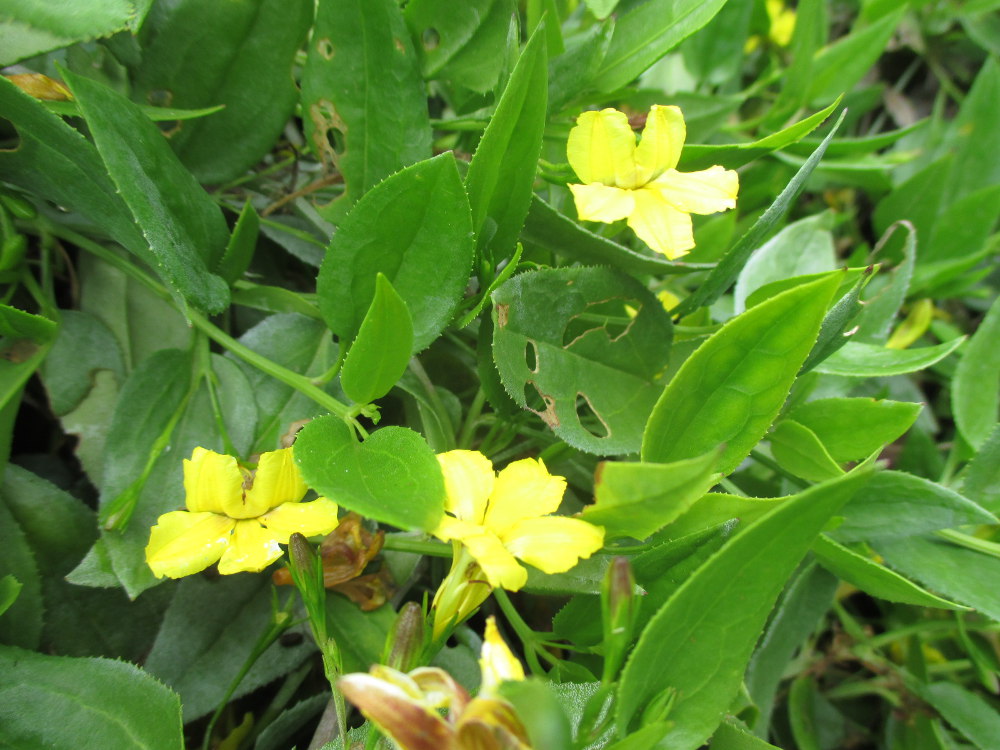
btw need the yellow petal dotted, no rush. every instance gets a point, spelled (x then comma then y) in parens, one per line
(524, 489)
(182, 543)
(660, 225)
(554, 544)
(252, 548)
(661, 144)
(316, 517)
(499, 566)
(277, 481)
(597, 202)
(409, 722)
(601, 148)
(212, 481)
(454, 528)
(496, 662)
(706, 192)
(468, 481)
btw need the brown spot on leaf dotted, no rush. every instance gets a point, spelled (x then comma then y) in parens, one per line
(325, 48)
(327, 127)
(502, 312)
(399, 45)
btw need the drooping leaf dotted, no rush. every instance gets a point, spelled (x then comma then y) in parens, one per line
(391, 477)
(854, 428)
(730, 390)
(567, 347)
(112, 704)
(363, 104)
(691, 648)
(860, 360)
(380, 353)
(182, 225)
(976, 387)
(414, 228)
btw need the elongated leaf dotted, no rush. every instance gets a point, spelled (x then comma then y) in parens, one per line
(967, 712)
(876, 319)
(945, 568)
(976, 387)
(246, 53)
(21, 624)
(502, 171)
(836, 69)
(873, 578)
(380, 353)
(731, 736)
(730, 390)
(798, 449)
(646, 33)
(113, 704)
(691, 648)
(208, 633)
(564, 339)
(854, 428)
(84, 346)
(635, 499)
(728, 269)
(30, 27)
(363, 104)
(982, 478)
(548, 228)
(392, 477)
(896, 504)
(415, 228)
(242, 243)
(183, 226)
(860, 360)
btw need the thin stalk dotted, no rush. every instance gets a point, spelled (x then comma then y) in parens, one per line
(468, 429)
(417, 546)
(780, 471)
(970, 542)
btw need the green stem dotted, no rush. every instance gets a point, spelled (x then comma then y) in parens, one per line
(780, 471)
(277, 626)
(330, 374)
(417, 546)
(468, 430)
(205, 371)
(971, 542)
(433, 397)
(524, 632)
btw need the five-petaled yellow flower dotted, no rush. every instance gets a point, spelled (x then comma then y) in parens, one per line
(640, 183)
(235, 515)
(495, 520)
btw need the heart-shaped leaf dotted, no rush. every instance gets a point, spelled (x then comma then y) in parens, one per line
(391, 477)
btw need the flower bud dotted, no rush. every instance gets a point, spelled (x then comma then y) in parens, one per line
(405, 643)
(618, 606)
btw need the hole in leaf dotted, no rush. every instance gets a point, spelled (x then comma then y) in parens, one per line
(325, 48)
(590, 420)
(430, 39)
(160, 97)
(335, 137)
(10, 138)
(533, 397)
(531, 356)
(614, 315)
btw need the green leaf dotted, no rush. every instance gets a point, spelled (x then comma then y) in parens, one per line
(731, 736)
(502, 172)
(982, 477)
(896, 504)
(880, 310)
(646, 33)
(715, 55)
(860, 360)
(363, 101)
(183, 226)
(21, 624)
(837, 321)
(799, 450)
(804, 247)
(973, 717)
(728, 269)
(415, 228)
(732, 387)
(976, 386)
(392, 477)
(635, 499)
(84, 346)
(111, 704)
(567, 348)
(156, 114)
(837, 68)
(552, 230)
(853, 428)
(10, 588)
(209, 631)
(379, 355)
(717, 507)
(691, 647)
(242, 243)
(539, 709)
(31, 27)
(975, 135)
(873, 578)
(463, 43)
(946, 568)
(246, 52)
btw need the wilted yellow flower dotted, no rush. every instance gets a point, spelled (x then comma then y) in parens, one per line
(405, 705)
(640, 183)
(235, 515)
(495, 520)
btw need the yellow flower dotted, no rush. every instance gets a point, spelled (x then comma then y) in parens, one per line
(623, 180)
(235, 516)
(406, 706)
(496, 520)
(782, 21)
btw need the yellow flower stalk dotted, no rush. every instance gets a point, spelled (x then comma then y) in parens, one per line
(235, 515)
(494, 520)
(639, 182)
(405, 706)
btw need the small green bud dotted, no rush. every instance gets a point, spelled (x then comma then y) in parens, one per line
(405, 642)
(618, 607)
